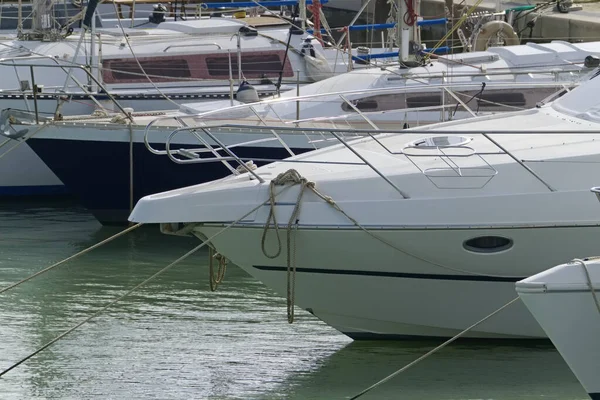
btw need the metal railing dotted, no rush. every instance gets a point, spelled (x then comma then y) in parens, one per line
(11, 62)
(274, 111)
(461, 161)
(218, 46)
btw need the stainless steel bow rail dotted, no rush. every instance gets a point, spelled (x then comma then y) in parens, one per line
(452, 97)
(60, 94)
(458, 161)
(445, 86)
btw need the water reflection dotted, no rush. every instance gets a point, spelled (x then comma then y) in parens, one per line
(461, 371)
(175, 339)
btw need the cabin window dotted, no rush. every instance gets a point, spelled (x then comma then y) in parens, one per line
(424, 101)
(167, 68)
(488, 244)
(361, 104)
(253, 66)
(514, 99)
(382, 102)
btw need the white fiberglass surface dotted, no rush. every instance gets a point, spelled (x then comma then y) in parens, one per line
(583, 101)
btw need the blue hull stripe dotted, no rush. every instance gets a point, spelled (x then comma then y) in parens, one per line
(47, 190)
(474, 278)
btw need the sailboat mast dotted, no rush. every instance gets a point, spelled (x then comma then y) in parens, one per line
(302, 6)
(20, 19)
(407, 28)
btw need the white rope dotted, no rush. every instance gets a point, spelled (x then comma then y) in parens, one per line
(331, 202)
(113, 302)
(74, 256)
(589, 282)
(293, 177)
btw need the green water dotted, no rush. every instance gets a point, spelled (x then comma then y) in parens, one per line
(174, 339)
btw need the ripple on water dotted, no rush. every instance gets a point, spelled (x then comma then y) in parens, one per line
(174, 339)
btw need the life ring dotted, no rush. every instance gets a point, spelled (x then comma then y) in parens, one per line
(492, 28)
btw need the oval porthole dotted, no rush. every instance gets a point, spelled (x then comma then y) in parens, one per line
(488, 244)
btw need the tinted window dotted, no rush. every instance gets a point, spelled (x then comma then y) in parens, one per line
(515, 99)
(253, 66)
(167, 68)
(424, 101)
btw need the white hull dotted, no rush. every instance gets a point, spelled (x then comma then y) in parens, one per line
(365, 289)
(430, 228)
(562, 303)
(24, 173)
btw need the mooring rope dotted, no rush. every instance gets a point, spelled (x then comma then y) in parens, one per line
(215, 280)
(113, 302)
(433, 351)
(589, 282)
(82, 252)
(100, 311)
(292, 177)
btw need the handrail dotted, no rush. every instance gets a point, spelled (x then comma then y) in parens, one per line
(403, 89)
(436, 132)
(361, 135)
(489, 72)
(11, 62)
(218, 46)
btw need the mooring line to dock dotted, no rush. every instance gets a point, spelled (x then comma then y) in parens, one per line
(433, 351)
(82, 252)
(130, 291)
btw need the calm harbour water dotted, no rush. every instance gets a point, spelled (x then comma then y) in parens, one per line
(174, 339)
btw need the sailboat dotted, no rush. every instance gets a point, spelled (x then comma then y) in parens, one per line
(54, 73)
(158, 68)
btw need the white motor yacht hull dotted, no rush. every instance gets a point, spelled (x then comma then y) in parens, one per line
(561, 301)
(367, 290)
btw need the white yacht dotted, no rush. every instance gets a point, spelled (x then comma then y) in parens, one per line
(414, 233)
(563, 300)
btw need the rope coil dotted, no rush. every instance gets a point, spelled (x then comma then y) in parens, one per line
(215, 280)
(292, 177)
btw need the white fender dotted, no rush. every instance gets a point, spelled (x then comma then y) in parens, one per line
(317, 68)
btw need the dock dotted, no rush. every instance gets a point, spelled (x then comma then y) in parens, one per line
(581, 25)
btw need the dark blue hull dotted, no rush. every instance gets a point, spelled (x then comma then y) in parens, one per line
(98, 172)
(33, 191)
